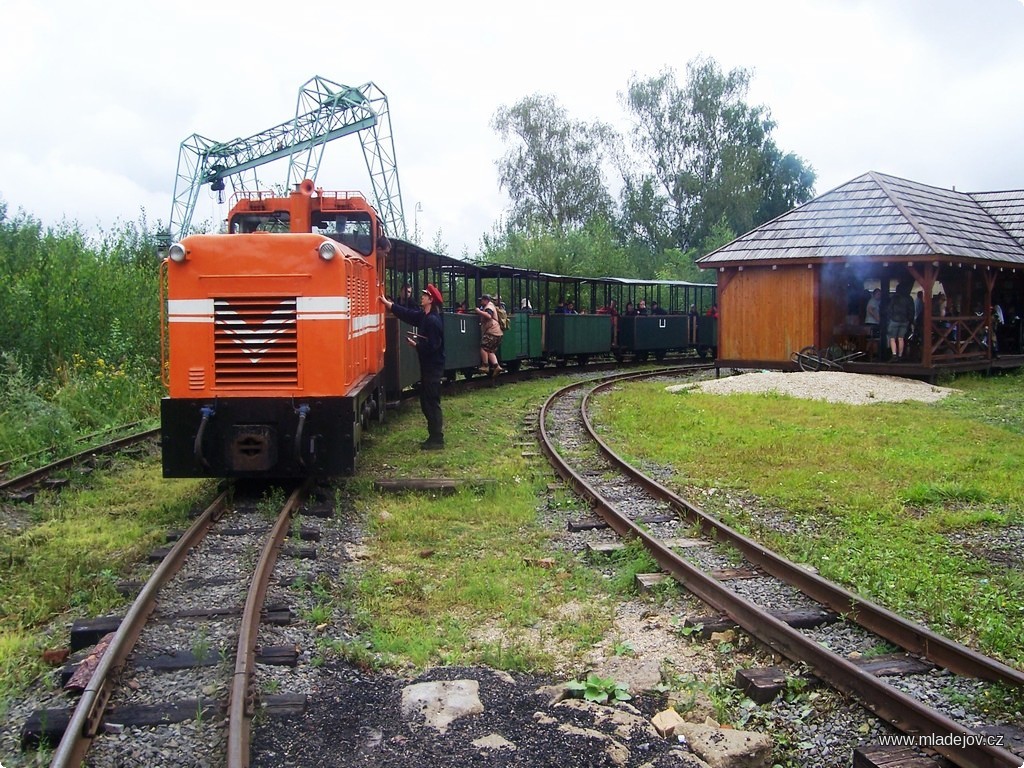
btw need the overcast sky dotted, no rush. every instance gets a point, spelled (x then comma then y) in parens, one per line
(98, 96)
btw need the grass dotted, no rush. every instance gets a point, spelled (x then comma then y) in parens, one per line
(50, 566)
(461, 572)
(876, 490)
(447, 594)
(471, 578)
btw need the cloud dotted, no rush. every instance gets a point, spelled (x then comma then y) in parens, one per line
(925, 89)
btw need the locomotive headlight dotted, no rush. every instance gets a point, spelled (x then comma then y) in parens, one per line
(176, 253)
(327, 250)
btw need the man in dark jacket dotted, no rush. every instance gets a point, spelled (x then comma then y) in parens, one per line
(428, 340)
(901, 315)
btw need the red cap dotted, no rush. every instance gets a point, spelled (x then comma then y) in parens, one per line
(433, 293)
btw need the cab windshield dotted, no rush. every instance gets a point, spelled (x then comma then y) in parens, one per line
(352, 229)
(276, 221)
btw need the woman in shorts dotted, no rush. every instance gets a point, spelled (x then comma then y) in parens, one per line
(490, 336)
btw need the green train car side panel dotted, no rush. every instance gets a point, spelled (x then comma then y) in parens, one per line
(707, 331)
(524, 338)
(461, 341)
(407, 370)
(654, 332)
(579, 334)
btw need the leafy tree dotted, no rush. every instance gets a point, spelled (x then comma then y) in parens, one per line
(553, 170)
(645, 218)
(678, 265)
(785, 182)
(704, 153)
(590, 251)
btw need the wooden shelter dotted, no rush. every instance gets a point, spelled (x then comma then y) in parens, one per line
(803, 279)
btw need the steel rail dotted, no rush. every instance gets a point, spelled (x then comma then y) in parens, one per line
(27, 457)
(241, 704)
(29, 478)
(88, 714)
(907, 634)
(902, 711)
(482, 380)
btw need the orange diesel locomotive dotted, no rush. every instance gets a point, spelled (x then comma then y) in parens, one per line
(273, 338)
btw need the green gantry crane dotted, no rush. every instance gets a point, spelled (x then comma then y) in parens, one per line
(325, 111)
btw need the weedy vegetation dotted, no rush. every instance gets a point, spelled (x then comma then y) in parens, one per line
(883, 495)
(470, 577)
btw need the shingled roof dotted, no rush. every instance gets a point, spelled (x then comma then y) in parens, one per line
(878, 217)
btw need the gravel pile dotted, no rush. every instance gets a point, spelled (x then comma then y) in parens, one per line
(832, 386)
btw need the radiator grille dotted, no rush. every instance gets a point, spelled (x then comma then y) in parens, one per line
(255, 342)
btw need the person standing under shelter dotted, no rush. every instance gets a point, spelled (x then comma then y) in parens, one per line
(901, 315)
(873, 319)
(490, 336)
(428, 341)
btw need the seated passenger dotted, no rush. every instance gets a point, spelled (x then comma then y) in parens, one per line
(406, 299)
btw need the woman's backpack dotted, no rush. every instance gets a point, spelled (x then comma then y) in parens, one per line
(503, 320)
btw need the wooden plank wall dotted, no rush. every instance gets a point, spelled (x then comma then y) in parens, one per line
(767, 314)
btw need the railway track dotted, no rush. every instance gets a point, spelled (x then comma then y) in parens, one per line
(32, 458)
(194, 627)
(471, 381)
(21, 485)
(619, 492)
